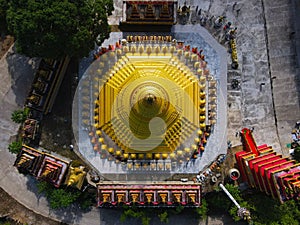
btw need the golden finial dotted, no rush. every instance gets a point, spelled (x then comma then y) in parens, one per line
(149, 50)
(164, 49)
(141, 49)
(156, 50)
(133, 49)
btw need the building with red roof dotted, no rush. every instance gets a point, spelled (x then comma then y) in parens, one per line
(42, 165)
(268, 171)
(158, 194)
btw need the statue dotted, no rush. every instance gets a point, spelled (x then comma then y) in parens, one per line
(34, 99)
(219, 22)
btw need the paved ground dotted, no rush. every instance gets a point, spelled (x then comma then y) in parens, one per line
(284, 73)
(267, 56)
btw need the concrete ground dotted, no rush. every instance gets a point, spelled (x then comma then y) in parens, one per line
(267, 99)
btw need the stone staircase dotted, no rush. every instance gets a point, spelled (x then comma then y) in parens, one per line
(285, 80)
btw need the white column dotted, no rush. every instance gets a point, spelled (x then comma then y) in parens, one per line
(230, 196)
(124, 12)
(175, 11)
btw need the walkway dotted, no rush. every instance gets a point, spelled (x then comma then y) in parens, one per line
(284, 73)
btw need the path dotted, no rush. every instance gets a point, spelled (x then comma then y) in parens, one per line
(284, 74)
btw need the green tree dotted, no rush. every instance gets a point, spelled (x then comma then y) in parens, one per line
(44, 187)
(179, 209)
(202, 210)
(15, 147)
(264, 209)
(267, 211)
(297, 153)
(128, 212)
(54, 29)
(164, 217)
(59, 198)
(145, 220)
(218, 200)
(3, 10)
(234, 191)
(85, 200)
(19, 116)
(237, 195)
(137, 213)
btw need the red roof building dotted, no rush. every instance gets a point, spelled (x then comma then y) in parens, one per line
(149, 12)
(53, 170)
(160, 194)
(29, 160)
(42, 165)
(266, 170)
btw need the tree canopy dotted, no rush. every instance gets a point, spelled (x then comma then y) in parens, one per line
(15, 147)
(3, 9)
(297, 153)
(55, 28)
(19, 116)
(62, 198)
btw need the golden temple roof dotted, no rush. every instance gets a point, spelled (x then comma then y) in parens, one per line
(151, 101)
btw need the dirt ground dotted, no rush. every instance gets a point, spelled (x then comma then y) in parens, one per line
(57, 133)
(15, 213)
(5, 44)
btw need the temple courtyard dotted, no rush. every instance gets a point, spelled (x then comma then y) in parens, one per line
(265, 96)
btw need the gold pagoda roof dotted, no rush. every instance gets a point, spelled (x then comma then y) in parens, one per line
(152, 100)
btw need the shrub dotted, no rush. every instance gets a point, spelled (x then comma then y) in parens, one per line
(19, 116)
(163, 217)
(44, 187)
(76, 163)
(58, 198)
(135, 213)
(145, 220)
(202, 210)
(297, 153)
(179, 209)
(15, 147)
(85, 200)
(268, 211)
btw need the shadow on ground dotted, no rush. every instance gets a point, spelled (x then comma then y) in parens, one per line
(188, 216)
(22, 70)
(68, 215)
